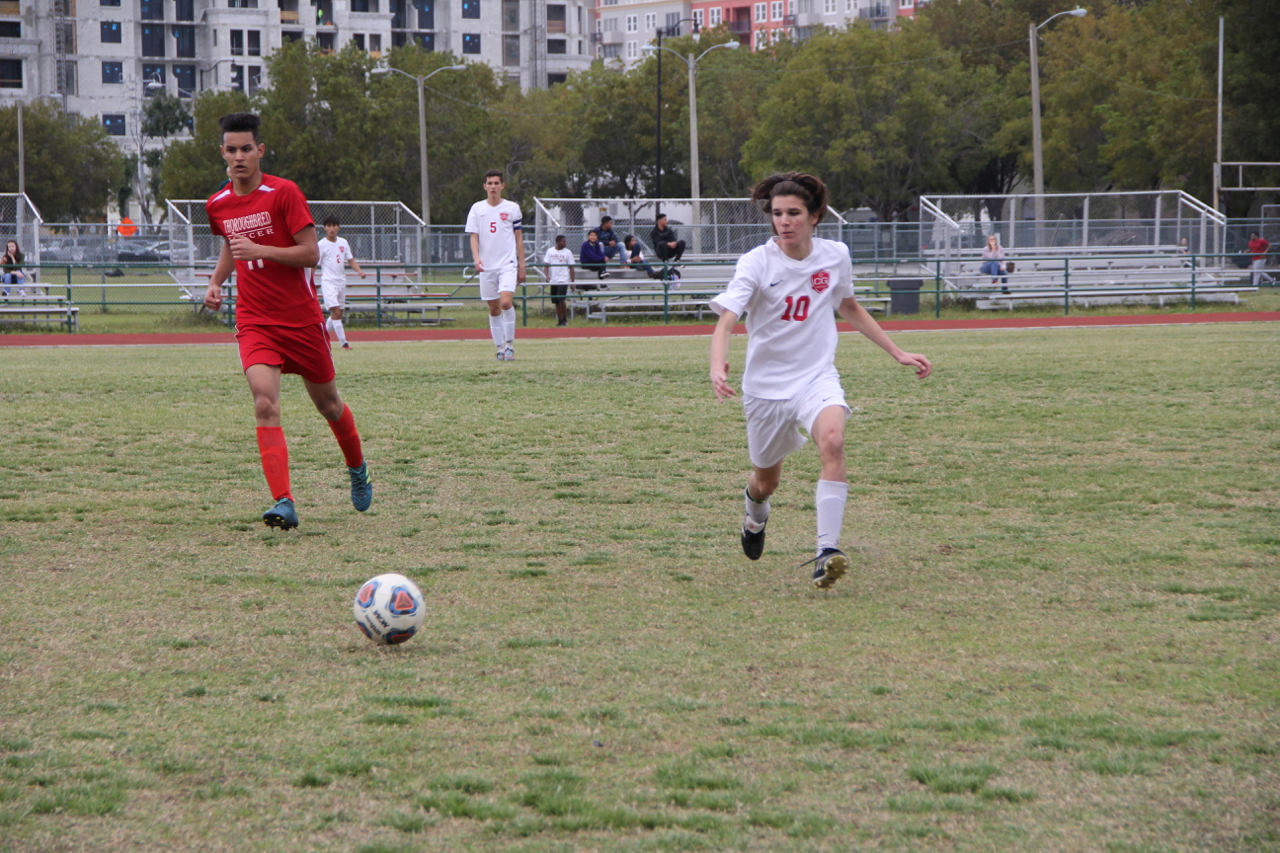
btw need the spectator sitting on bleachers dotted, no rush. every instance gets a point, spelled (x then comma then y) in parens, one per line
(609, 240)
(665, 243)
(993, 262)
(633, 256)
(11, 263)
(591, 255)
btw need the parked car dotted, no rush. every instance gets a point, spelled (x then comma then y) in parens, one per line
(157, 253)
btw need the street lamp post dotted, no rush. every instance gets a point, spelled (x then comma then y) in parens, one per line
(1037, 153)
(694, 177)
(422, 129)
(674, 29)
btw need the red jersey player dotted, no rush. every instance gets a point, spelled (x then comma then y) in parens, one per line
(269, 240)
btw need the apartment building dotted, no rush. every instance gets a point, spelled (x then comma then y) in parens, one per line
(624, 27)
(106, 57)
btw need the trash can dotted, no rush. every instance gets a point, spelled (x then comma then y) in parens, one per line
(904, 295)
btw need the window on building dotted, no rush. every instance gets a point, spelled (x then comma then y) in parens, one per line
(610, 51)
(470, 42)
(426, 41)
(776, 10)
(650, 22)
(242, 4)
(557, 46)
(633, 23)
(151, 10)
(555, 19)
(364, 6)
(713, 16)
(10, 73)
(67, 76)
(10, 29)
(113, 72)
(426, 14)
(153, 37)
(553, 79)
(632, 52)
(108, 2)
(255, 79)
(152, 75)
(184, 39)
(511, 15)
(611, 2)
(673, 23)
(296, 35)
(511, 51)
(324, 41)
(471, 9)
(358, 40)
(762, 39)
(114, 124)
(185, 77)
(111, 32)
(254, 38)
(237, 77)
(698, 18)
(762, 12)
(237, 42)
(828, 7)
(184, 10)
(906, 4)
(375, 43)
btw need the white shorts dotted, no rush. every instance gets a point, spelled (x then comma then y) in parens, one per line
(492, 284)
(773, 426)
(334, 295)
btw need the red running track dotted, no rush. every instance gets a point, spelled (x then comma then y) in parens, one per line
(602, 331)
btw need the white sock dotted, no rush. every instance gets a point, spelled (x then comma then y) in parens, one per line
(495, 330)
(509, 325)
(757, 511)
(342, 333)
(830, 498)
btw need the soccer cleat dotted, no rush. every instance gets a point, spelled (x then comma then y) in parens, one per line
(509, 354)
(502, 355)
(753, 537)
(361, 487)
(832, 564)
(346, 346)
(282, 515)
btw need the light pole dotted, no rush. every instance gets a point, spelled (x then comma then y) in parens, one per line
(422, 128)
(1037, 154)
(674, 29)
(694, 177)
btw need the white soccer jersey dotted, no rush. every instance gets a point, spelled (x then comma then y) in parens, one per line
(790, 307)
(498, 226)
(559, 274)
(334, 255)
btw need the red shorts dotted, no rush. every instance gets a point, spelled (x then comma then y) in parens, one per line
(303, 350)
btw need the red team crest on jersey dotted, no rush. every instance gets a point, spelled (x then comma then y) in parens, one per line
(821, 280)
(504, 216)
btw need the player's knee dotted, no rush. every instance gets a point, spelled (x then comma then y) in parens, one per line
(265, 408)
(831, 443)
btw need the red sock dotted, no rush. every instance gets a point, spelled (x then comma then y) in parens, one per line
(275, 461)
(344, 429)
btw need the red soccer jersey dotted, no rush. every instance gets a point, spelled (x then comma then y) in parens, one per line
(267, 293)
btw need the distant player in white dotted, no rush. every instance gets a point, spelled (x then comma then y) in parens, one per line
(335, 254)
(497, 246)
(790, 289)
(559, 262)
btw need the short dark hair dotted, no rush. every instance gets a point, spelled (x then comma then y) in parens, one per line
(494, 173)
(560, 237)
(593, 231)
(1253, 233)
(332, 220)
(241, 123)
(659, 217)
(808, 188)
(606, 219)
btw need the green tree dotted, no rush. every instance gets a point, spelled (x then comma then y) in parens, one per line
(884, 117)
(71, 162)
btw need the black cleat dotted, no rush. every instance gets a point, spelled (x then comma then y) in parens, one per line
(753, 539)
(831, 566)
(282, 515)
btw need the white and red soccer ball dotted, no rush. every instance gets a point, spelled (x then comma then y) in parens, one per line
(389, 609)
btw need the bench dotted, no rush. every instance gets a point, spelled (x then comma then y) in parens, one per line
(48, 310)
(1090, 296)
(681, 299)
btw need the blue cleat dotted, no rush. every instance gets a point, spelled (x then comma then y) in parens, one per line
(282, 515)
(832, 564)
(361, 487)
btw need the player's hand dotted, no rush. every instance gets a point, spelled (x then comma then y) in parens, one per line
(720, 382)
(213, 297)
(244, 249)
(363, 273)
(919, 362)
(520, 276)
(479, 265)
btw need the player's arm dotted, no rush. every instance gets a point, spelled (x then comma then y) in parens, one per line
(858, 317)
(475, 251)
(720, 355)
(221, 272)
(356, 266)
(303, 253)
(519, 235)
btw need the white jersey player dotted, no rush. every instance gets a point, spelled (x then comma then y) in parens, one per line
(335, 254)
(559, 262)
(497, 248)
(790, 288)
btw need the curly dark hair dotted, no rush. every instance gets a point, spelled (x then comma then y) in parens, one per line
(806, 187)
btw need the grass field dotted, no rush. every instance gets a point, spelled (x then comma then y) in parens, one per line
(1059, 631)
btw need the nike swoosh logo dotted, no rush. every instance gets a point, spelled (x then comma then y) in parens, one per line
(775, 283)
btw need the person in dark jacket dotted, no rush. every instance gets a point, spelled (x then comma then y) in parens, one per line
(591, 256)
(609, 239)
(665, 243)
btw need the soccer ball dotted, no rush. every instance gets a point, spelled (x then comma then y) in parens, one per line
(389, 609)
